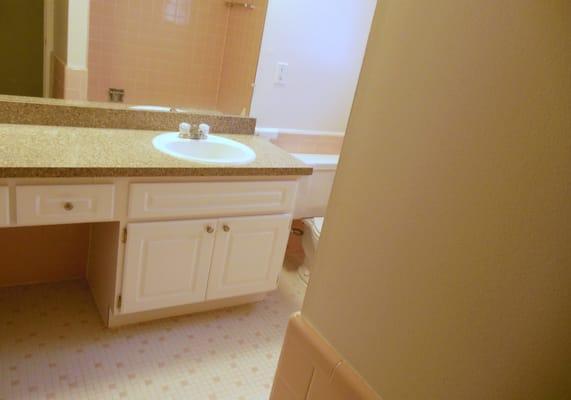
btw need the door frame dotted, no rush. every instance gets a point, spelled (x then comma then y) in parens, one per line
(48, 46)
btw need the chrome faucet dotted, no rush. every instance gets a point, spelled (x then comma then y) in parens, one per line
(193, 131)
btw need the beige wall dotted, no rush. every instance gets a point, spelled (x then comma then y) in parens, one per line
(444, 266)
(21, 47)
(323, 41)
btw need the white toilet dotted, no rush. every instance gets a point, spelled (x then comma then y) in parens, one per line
(309, 241)
(313, 196)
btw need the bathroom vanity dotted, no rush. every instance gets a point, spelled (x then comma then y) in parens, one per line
(168, 237)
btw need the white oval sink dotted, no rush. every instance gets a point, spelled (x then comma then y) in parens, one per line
(154, 108)
(215, 149)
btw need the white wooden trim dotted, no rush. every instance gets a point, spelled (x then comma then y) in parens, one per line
(48, 46)
(4, 206)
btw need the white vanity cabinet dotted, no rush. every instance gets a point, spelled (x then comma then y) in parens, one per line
(217, 241)
(166, 264)
(183, 262)
(160, 248)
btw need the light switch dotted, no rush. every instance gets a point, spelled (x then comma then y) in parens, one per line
(281, 73)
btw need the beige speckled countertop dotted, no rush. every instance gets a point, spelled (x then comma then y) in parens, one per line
(83, 114)
(47, 151)
(99, 104)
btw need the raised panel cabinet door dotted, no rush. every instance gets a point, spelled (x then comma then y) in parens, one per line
(248, 255)
(166, 264)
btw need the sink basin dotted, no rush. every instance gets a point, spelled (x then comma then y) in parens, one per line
(154, 108)
(214, 150)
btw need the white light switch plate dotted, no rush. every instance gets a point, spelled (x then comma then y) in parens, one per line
(281, 73)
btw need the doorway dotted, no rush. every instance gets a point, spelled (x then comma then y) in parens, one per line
(22, 66)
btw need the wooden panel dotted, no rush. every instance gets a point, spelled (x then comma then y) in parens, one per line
(154, 200)
(63, 204)
(4, 206)
(104, 244)
(248, 256)
(43, 254)
(166, 264)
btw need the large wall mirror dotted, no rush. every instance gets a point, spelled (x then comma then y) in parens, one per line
(189, 55)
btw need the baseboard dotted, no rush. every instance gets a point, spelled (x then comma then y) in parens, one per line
(117, 320)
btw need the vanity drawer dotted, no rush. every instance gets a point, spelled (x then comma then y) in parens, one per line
(202, 199)
(63, 204)
(4, 206)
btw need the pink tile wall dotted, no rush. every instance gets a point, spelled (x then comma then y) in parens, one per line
(75, 84)
(160, 51)
(241, 53)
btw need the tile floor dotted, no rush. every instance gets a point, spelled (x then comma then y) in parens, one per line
(53, 346)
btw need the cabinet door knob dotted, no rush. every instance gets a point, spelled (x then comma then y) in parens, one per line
(209, 229)
(226, 228)
(68, 206)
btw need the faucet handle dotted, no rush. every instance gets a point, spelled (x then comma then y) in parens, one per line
(204, 130)
(184, 130)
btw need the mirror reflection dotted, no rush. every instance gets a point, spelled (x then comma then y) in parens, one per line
(158, 55)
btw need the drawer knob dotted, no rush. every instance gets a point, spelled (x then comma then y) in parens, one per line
(226, 228)
(68, 206)
(209, 229)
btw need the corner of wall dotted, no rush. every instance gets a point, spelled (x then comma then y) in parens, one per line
(310, 368)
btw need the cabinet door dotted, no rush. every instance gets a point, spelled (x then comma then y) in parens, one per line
(248, 255)
(166, 264)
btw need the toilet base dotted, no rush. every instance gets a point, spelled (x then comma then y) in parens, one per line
(303, 273)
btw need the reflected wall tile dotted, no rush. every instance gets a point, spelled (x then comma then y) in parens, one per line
(241, 53)
(135, 38)
(181, 49)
